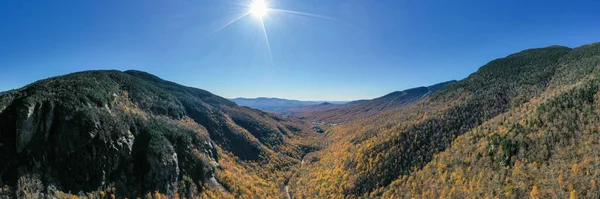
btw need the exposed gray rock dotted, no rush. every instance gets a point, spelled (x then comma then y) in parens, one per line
(25, 128)
(126, 142)
(164, 168)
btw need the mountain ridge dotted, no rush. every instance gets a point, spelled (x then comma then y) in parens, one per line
(359, 109)
(274, 104)
(506, 130)
(136, 132)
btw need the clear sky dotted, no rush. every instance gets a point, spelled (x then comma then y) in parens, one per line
(367, 49)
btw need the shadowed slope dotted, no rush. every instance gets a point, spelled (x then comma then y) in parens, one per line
(87, 130)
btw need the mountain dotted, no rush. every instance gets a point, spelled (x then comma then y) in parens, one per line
(521, 126)
(276, 104)
(305, 111)
(356, 102)
(131, 133)
(365, 108)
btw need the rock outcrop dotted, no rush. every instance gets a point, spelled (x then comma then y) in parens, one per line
(129, 130)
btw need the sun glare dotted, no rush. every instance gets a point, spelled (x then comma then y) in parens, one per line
(259, 8)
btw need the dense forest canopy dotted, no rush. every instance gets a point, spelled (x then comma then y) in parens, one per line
(526, 125)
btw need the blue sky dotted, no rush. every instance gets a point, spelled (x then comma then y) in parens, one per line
(370, 49)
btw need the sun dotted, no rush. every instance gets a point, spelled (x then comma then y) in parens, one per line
(259, 8)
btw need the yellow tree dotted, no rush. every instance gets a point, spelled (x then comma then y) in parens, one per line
(535, 193)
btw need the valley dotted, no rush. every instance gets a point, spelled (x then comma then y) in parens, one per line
(336, 99)
(525, 125)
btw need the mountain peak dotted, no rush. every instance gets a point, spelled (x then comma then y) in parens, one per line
(108, 123)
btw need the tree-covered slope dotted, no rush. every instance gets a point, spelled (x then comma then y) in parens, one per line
(544, 148)
(137, 133)
(385, 152)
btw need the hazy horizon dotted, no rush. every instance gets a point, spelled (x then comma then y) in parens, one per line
(335, 50)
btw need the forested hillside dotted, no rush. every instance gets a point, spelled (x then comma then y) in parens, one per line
(524, 125)
(127, 134)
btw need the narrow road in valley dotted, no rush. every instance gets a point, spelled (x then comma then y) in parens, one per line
(287, 191)
(287, 187)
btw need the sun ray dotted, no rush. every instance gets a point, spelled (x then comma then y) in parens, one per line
(262, 23)
(231, 22)
(259, 9)
(303, 14)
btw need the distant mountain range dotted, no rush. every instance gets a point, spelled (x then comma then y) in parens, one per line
(339, 111)
(365, 108)
(277, 104)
